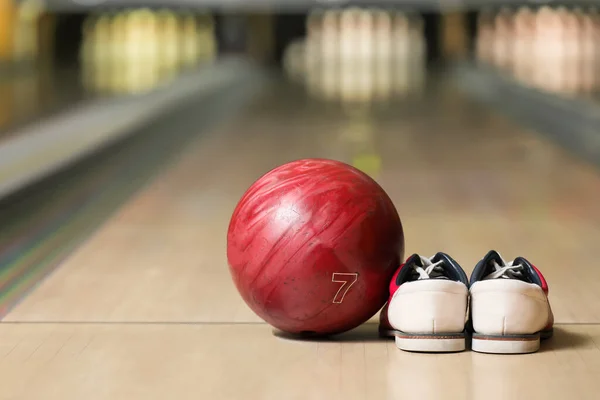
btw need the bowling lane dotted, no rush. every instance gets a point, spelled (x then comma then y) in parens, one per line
(464, 181)
(69, 361)
(146, 309)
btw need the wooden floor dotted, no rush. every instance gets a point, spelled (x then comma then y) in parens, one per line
(146, 309)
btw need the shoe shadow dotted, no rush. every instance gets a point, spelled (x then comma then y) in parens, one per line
(367, 332)
(565, 339)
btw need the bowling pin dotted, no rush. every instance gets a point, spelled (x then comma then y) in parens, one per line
(207, 40)
(360, 67)
(124, 52)
(382, 43)
(102, 53)
(330, 57)
(549, 52)
(503, 40)
(595, 16)
(294, 61)
(25, 48)
(401, 32)
(168, 43)
(571, 51)
(485, 37)
(349, 43)
(523, 44)
(587, 53)
(189, 40)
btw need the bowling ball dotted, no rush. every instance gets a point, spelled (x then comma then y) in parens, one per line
(312, 246)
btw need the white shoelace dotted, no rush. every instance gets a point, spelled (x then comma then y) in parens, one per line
(429, 270)
(506, 271)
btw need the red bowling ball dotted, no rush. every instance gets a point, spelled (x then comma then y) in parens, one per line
(312, 246)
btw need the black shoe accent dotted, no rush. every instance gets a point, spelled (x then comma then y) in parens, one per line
(453, 269)
(457, 273)
(530, 274)
(486, 266)
(406, 271)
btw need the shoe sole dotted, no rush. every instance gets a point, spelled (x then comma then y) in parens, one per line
(508, 344)
(431, 343)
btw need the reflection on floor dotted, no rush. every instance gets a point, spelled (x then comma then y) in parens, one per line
(35, 94)
(45, 222)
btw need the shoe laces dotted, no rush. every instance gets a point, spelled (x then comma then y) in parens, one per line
(429, 270)
(506, 271)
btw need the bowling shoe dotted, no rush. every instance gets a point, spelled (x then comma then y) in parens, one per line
(510, 311)
(428, 305)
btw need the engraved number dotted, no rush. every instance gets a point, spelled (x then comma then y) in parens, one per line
(347, 279)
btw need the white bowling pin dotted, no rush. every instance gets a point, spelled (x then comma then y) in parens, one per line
(189, 40)
(382, 43)
(330, 55)
(549, 49)
(348, 35)
(587, 53)
(485, 37)
(523, 44)
(503, 40)
(401, 33)
(103, 53)
(572, 54)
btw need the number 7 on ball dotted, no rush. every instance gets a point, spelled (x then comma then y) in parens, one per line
(347, 279)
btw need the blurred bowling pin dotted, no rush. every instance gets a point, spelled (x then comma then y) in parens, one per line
(168, 43)
(523, 44)
(586, 52)
(206, 38)
(359, 69)
(503, 40)
(401, 32)
(382, 43)
(571, 53)
(102, 53)
(595, 16)
(549, 54)
(485, 37)
(189, 45)
(25, 48)
(348, 43)
(329, 60)
(294, 60)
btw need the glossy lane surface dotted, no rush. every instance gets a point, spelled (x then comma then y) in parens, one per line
(464, 181)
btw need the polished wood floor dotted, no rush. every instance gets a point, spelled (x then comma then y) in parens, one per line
(146, 309)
